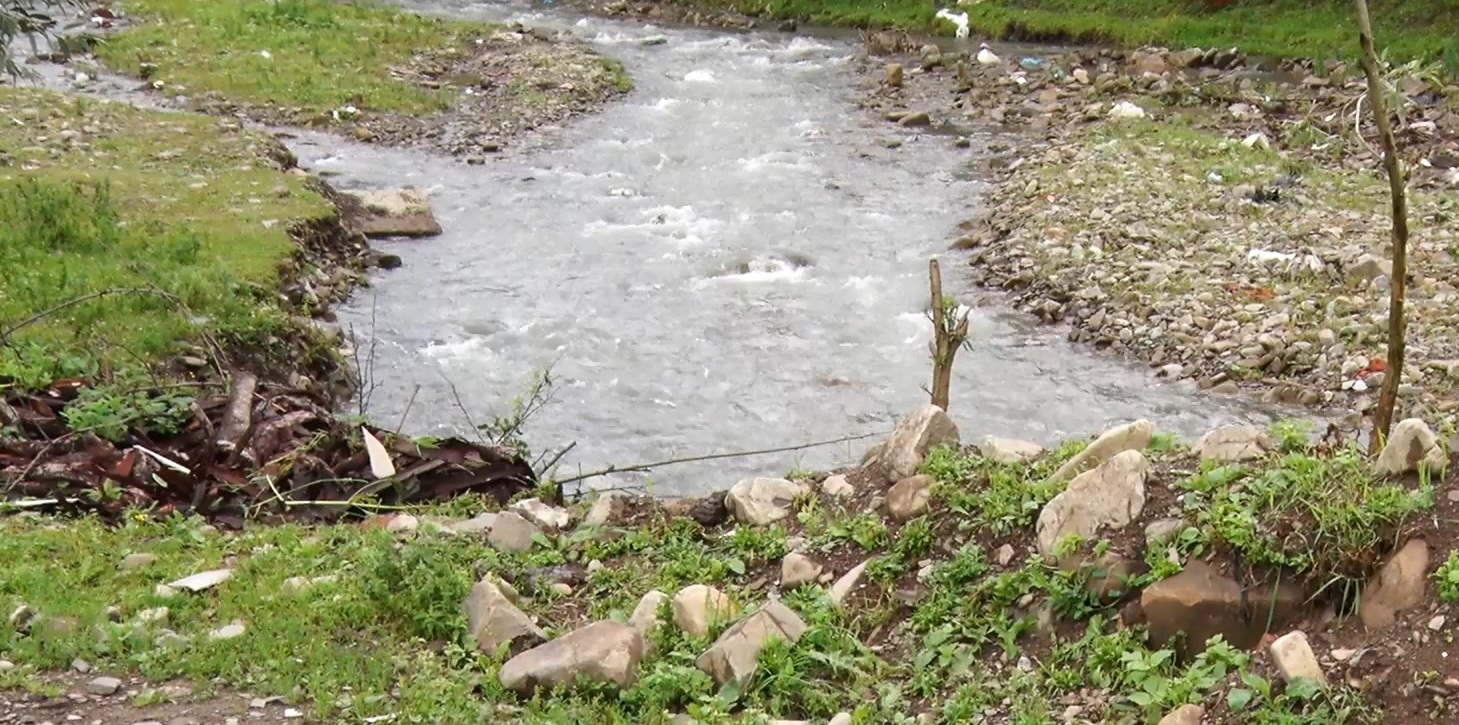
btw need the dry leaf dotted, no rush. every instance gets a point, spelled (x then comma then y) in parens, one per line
(380, 463)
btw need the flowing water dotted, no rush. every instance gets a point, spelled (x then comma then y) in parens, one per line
(731, 258)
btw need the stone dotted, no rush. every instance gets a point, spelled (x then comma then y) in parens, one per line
(761, 501)
(1128, 437)
(712, 510)
(20, 618)
(1293, 657)
(479, 524)
(133, 562)
(545, 516)
(155, 615)
(604, 651)
(910, 497)
(104, 686)
(1008, 450)
(1184, 715)
(511, 533)
(561, 589)
(6, 665)
(1151, 63)
(1162, 532)
(916, 118)
(1397, 586)
(894, 75)
(924, 429)
(1109, 575)
(837, 486)
(735, 655)
(797, 569)
(607, 508)
(1108, 497)
(1409, 445)
(698, 606)
(1234, 444)
(495, 621)
(202, 581)
(295, 585)
(389, 213)
(233, 630)
(1004, 555)
(847, 583)
(1202, 603)
(645, 617)
(1369, 268)
(841, 718)
(403, 524)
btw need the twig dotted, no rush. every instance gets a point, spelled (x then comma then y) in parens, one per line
(1388, 393)
(408, 405)
(37, 317)
(544, 471)
(639, 467)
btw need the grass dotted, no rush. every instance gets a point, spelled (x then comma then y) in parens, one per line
(1405, 29)
(386, 634)
(183, 211)
(314, 56)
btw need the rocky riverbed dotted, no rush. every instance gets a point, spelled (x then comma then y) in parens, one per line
(936, 582)
(1219, 219)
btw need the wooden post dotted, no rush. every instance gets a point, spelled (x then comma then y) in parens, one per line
(1397, 289)
(949, 332)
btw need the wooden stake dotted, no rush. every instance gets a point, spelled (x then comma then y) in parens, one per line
(1397, 324)
(949, 332)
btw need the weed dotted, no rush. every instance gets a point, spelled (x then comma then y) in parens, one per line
(1446, 578)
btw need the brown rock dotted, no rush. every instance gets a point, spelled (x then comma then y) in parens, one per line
(909, 497)
(600, 652)
(1399, 585)
(495, 621)
(735, 655)
(1184, 715)
(389, 213)
(894, 75)
(1202, 603)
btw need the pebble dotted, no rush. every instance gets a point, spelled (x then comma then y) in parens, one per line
(104, 686)
(228, 631)
(1437, 623)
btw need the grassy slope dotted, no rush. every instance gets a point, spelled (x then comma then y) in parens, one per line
(1406, 28)
(99, 196)
(314, 55)
(367, 632)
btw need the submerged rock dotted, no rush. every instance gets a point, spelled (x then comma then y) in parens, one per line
(390, 213)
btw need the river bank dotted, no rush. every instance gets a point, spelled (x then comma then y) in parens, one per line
(186, 303)
(938, 582)
(376, 74)
(1221, 224)
(1407, 29)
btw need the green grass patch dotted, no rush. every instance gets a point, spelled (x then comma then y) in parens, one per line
(314, 55)
(181, 216)
(1405, 29)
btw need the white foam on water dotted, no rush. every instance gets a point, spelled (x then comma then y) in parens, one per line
(700, 76)
(474, 349)
(777, 160)
(664, 104)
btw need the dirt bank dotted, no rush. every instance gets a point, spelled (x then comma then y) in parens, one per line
(1223, 223)
(377, 74)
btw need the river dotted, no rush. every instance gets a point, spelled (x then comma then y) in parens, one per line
(731, 258)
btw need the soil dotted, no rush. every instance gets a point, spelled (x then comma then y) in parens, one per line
(176, 703)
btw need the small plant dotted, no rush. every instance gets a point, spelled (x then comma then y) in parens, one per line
(1446, 578)
(111, 412)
